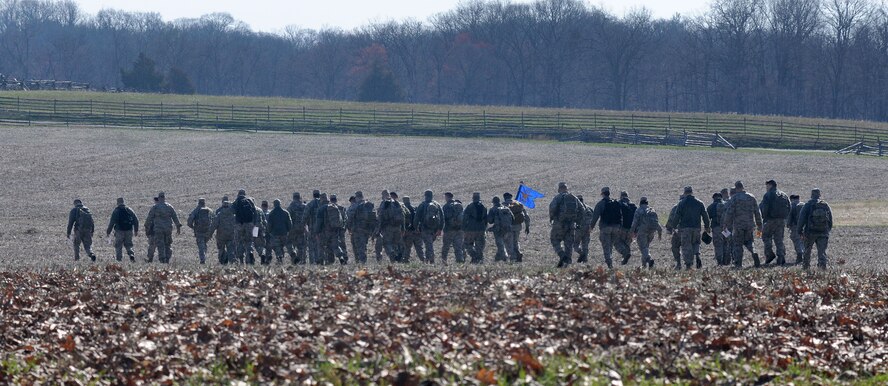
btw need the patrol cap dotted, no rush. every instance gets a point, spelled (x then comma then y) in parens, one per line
(717, 195)
(333, 198)
(120, 201)
(624, 194)
(352, 199)
(316, 193)
(406, 199)
(393, 194)
(562, 185)
(815, 193)
(202, 201)
(428, 193)
(476, 196)
(738, 185)
(241, 193)
(161, 195)
(495, 199)
(606, 190)
(264, 203)
(688, 190)
(448, 194)
(794, 197)
(359, 195)
(296, 195)
(77, 201)
(643, 200)
(507, 195)
(771, 182)
(277, 202)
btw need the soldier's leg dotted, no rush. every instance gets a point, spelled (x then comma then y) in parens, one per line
(428, 243)
(806, 257)
(717, 245)
(356, 248)
(446, 243)
(152, 247)
(169, 246)
(768, 241)
(621, 244)
(118, 245)
(737, 247)
(76, 242)
(128, 244)
(469, 241)
(201, 242)
(687, 246)
(160, 243)
(675, 241)
(822, 258)
(750, 245)
(644, 244)
(220, 248)
(508, 239)
(779, 236)
(585, 239)
(606, 237)
(459, 247)
(797, 244)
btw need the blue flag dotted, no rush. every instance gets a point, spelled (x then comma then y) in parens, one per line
(526, 196)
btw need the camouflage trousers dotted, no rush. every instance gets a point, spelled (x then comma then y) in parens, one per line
(623, 242)
(742, 238)
(225, 246)
(393, 242)
(455, 240)
(123, 239)
(561, 237)
(797, 243)
(311, 244)
(822, 242)
(773, 234)
(359, 241)
(296, 245)
(503, 241)
(690, 244)
(330, 248)
(608, 235)
(243, 243)
(412, 241)
(644, 247)
(84, 239)
(428, 245)
(582, 238)
(201, 240)
(379, 247)
(152, 247)
(260, 244)
(277, 245)
(675, 246)
(718, 246)
(515, 253)
(164, 240)
(474, 243)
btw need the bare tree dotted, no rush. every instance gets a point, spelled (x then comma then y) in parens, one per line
(843, 18)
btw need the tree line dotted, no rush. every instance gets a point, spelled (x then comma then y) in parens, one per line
(819, 58)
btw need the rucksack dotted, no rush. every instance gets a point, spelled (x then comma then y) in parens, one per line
(391, 213)
(781, 206)
(453, 213)
(649, 220)
(504, 218)
(202, 220)
(613, 213)
(297, 215)
(517, 212)
(628, 210)
(124, 219)
(85, 221)
(244, 210)
(570, 208)
(365, 216)
(333, 217)
(432, 216)
(818, 221)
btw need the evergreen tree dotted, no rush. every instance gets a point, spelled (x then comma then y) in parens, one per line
(177, 82)
(143, 77)
(380, 86)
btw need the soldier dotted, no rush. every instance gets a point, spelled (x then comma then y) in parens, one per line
(431, 223)
(152, 242)
(319, 230)
(260, 241)
(565, 211)
(362, 222)
(391, 226)
(644, 224)
(743, 218)
(297, 244)
(623, 243)
(224, 223)
(402, 244)
(311, 213)
(675, 238)
(80, 220)
(689, 214)
(727, 194)
(716, 211)
(474, 224)
(412, 240)
(336, 231)
(610, 212)
(246, 218)
(793, 224)
(279, 225)
(453, 233)
(520, 220)
(501, 217)
(125, 225)
(815, 224)
(775, 207)
(160, 219)
(201, 222)
(584, 232)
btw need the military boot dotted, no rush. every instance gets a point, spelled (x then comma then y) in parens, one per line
(132, 257)
(756, 261)
(625, 259)
(798, 259)
(92, 256)
(582, 258)
(651, 263)
(769, 258)
(699, 262)
(678, 266)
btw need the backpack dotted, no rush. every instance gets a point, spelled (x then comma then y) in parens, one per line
(85, 221)
(628, 210)
(297, 215)
(432, 218)
(453, 213)
(649, 220)
(818, 221)
(333, 217)
(613, 213)
(570, 208)
(504, 218)
(202, 220)
(517, 212)
(391, 214)
(781, 206)
(244, 210)
(365, 216)
(124, 220)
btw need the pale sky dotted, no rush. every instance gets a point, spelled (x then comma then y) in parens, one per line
(274, 15)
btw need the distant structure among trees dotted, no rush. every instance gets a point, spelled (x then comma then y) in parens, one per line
(821, 58)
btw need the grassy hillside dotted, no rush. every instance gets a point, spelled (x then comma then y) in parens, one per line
(224, 112)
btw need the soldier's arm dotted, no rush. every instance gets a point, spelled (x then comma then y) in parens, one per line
(526, 220)
(175, 217)
(829, 213)
(635, 221)
(111, 222)
(596, 214)
(135, 221)
(72, 217)
(803, 219)
(190, 221)
(707, 222)
(758, 216)
(441, 213)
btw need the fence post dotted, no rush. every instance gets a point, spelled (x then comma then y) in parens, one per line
(197, 110)
(161, 110)
(124, 109)
(558, 120)
(232, 112)
(412, 113)
(447, 122)
(522, 119)
(29, 117)
(636, 137)
(484, 114)
(881, 148)
(686, 134)
(54, 111)
(18, 104)
(104, 119)
(340, 116)
(669, 122)
(303, 115)
(595, 120)
(90, 107)
(142, 121)
(632, 121)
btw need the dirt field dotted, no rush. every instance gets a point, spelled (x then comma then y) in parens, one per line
(45, 169)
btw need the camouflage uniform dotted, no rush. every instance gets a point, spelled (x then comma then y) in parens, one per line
(453, 233)
(362, 222)
(811, 235)
(584, 233)
(623, 243)
(644, 224)
(391, 227)
(742, 219)
(243, 229)
(515, 251)
(160, 219)
(83, 230)
(689, 214)
(328, 232)
(223, 225)
(675, 238)
(279, 226)
(716, 211)
(502, 229)
(412, 239)
(793, 224)
(609, 231)
(125, 225)
(297, 239)
(773, 227)
(260, 242)
(428, 231)
(201, 221)
(311, 213)
(474, 224)
(564, 223)
(343, 213)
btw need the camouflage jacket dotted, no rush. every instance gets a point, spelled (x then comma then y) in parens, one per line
(161, 218)
(743, 212)
(224, 222)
